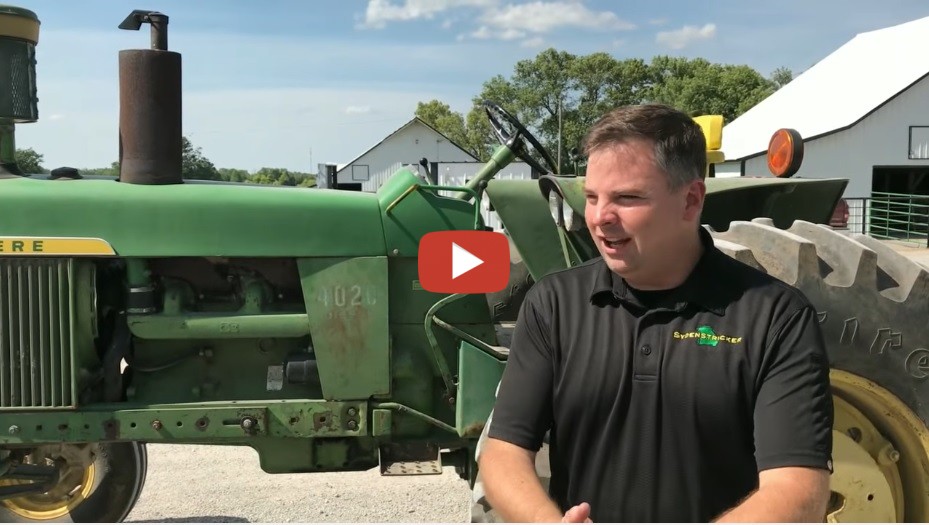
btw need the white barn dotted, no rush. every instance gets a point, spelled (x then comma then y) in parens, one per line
(863, 112)
(410, 143)
(446, 164)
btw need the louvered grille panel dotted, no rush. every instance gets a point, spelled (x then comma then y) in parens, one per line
(35, 333)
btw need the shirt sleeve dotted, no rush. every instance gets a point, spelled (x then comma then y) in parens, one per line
(793, 407)
(523, 409)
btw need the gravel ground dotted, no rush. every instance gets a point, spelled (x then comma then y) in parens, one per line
(188, 483)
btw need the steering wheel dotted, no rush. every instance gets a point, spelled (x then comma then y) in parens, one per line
(511, 140)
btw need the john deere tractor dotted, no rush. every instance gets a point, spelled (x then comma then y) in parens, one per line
(154, 309)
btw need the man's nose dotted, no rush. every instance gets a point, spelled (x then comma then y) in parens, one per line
(603, 214)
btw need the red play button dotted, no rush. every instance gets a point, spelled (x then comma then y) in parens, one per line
(464, 261)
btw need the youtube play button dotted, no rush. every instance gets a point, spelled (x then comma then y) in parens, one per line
(464, 261)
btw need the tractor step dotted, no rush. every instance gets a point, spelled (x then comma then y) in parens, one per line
(416, 459)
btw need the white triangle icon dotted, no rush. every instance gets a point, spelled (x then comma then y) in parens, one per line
(463, 261)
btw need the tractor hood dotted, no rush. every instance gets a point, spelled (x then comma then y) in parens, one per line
(194, 218)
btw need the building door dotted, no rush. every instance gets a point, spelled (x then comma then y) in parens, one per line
(899, 207)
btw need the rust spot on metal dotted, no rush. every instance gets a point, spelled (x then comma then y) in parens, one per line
(150, 135)
(322, 419)
(111, 429)
(474, 429)
(203, 423)
(346, 326)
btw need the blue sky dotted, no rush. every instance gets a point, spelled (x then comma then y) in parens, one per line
(288, 83)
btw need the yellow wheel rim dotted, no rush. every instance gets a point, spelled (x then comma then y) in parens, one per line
(73, 488)
(881, 455)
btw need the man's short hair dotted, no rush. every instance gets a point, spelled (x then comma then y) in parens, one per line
(680, 146)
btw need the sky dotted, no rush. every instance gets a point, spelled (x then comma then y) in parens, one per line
(294, 83)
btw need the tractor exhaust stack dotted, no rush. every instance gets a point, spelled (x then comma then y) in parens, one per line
(150, 132)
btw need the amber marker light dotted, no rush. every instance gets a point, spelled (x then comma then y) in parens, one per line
(785, 152)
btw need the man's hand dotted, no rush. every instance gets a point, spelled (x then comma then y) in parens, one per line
(513, 489)
(577, 514)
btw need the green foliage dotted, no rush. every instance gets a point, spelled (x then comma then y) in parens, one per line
(781, 77)
(195, 165)
(583, 87)
(700, 87)
(30, 161)
(440, 116)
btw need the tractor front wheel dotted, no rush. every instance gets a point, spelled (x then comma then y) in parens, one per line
(98, 482)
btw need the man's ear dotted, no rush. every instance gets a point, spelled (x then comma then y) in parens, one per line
(693, 200)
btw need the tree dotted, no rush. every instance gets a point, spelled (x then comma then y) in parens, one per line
(233, 175)
(558, 95)
(781, 77)
(30, 161)
(441, 117)
(194, 165)
(700, 87)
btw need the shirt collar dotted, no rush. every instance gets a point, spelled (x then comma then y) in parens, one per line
(699, 288)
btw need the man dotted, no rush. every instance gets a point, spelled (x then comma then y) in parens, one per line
(677, 383)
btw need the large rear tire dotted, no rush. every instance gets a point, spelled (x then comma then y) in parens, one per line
(873, 306)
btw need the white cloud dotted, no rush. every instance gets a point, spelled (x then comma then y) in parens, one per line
(357, 110)
(542, 17)
(56, 116)
(533, 42)
(482, 33)
(686, 35)
(379, 12)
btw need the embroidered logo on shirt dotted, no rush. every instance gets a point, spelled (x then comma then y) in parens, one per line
(706, 336)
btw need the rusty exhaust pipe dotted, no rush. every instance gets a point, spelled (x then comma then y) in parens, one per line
(150, 131)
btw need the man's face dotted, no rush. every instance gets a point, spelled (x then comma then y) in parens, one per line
(638, 223)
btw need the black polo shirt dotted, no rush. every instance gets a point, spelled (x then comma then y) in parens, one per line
(664, 406)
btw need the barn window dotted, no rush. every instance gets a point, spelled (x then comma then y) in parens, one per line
(919, 142)
(360, 173)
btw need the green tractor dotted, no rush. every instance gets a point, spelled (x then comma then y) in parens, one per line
(292, 320)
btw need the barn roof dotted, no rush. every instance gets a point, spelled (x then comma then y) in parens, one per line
(837, 92)
(412, 121)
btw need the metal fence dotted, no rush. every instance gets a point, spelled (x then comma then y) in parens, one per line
(891, 216)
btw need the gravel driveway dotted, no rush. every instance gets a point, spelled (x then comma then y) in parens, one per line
(188, 483)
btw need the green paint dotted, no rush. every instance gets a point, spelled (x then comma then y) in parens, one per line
(195, 219)
(193, 423)
(209, 326)
(524, 213)
(479, 373)
(347, 305)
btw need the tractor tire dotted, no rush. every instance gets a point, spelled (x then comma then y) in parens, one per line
(873, 306)
(114, 482)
